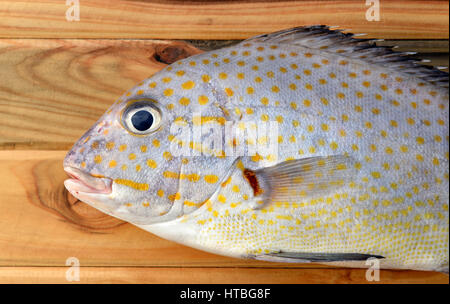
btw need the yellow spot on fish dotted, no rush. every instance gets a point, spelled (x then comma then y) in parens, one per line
(229, 92)
(206, 78)
(376, 174)
(151, 163)
(94, 145)
(97, 159)
(435, 161)
(167, 155)
(169, 174)
(168, 92)
(211, 179)
(202, 99)
(132, 184)
(188, 85)
(284, 217)
(184, 101)
(109, 145)
(174, 197)
(221, 198)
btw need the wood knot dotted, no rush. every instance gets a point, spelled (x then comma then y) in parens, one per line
(174, 51)
(53, 196)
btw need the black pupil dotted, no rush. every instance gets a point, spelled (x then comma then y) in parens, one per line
(142, 120)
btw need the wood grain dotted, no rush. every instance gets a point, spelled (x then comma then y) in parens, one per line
(209, 275)
(400, 19)
(40, 227)
(57, 78)
(53, 90)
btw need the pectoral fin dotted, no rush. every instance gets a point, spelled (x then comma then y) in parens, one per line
(297, 180)
(314, 257)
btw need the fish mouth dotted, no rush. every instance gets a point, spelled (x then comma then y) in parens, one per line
(86, 183)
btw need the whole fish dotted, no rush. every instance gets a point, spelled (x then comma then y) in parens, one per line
(358, 167)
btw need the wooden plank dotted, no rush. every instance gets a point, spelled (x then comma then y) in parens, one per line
(399, 19)
(53, 90)
(161, 275)
(40, 225)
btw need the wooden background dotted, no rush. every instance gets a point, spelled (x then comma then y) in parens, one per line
(57, 77)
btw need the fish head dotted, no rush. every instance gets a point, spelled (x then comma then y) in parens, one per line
(130, 164)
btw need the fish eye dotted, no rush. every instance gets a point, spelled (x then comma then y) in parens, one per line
(141, 117)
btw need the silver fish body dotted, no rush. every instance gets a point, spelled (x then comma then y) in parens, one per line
(360, 170)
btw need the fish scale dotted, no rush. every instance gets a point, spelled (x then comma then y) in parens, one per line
(370, 115)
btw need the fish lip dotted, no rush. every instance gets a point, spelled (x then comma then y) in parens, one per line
(86, 183)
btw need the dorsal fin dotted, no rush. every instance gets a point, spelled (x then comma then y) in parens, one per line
(335, 41)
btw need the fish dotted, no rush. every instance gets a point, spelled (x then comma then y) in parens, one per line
(306, 145)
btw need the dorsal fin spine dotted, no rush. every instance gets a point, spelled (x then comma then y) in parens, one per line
(319, 36)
